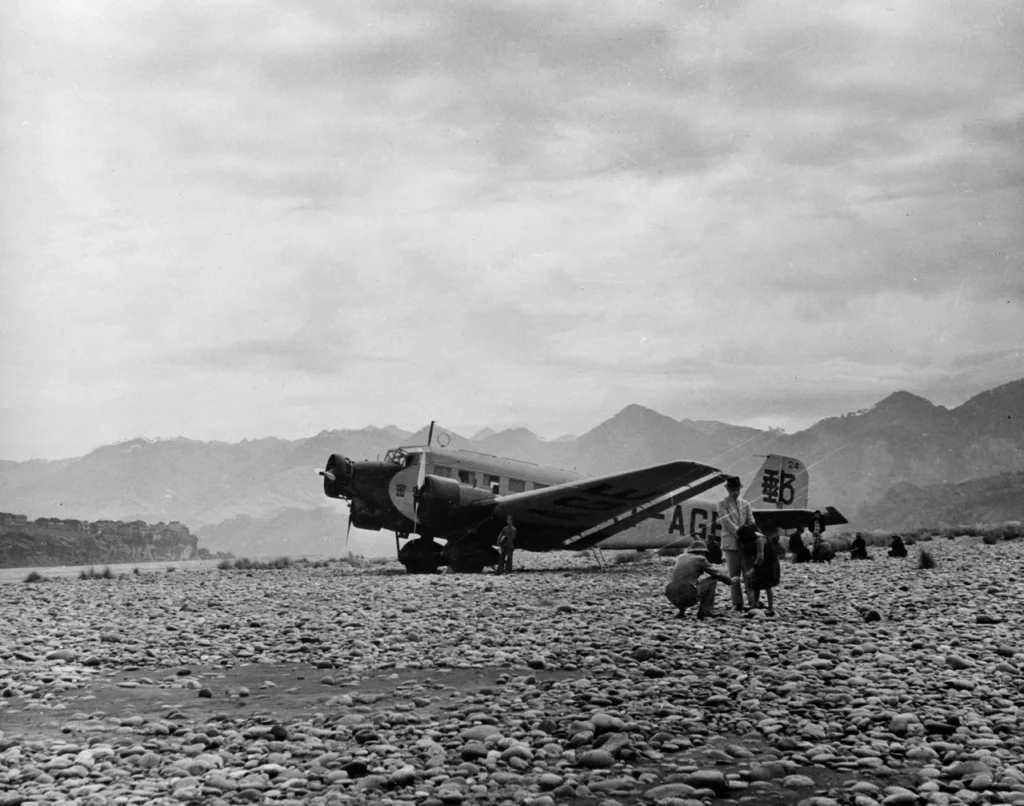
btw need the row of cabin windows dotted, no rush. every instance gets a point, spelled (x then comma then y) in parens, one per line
(493, 483)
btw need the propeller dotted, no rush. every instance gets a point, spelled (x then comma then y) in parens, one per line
(348, 526)
(420, 478)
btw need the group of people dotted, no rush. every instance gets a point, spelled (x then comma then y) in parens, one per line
(821, 550)
(859, 547)
(751, 559)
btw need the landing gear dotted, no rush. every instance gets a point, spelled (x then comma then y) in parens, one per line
(420, 556)
(470, 555)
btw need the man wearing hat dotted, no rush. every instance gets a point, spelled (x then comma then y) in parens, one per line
(733, 514)
(687, 589)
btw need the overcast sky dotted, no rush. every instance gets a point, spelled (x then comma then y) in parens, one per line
(235, 220)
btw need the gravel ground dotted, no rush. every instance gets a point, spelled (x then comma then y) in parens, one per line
(875, 683)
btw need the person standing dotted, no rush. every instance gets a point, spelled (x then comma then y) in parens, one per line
(687, 589)
(734, 513)
(817, 524)
(506, 545)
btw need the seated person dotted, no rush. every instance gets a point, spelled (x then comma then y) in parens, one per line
(859, 549)
(897, 548)
(687, 589)
(797, 547)
(822, 551)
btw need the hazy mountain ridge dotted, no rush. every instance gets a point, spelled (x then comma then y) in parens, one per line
(855, 459)
(991, 500)
(289, 532)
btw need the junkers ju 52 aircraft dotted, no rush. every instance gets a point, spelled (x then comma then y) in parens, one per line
(464, 497)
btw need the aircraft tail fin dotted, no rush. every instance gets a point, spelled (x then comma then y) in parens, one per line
(781, 483)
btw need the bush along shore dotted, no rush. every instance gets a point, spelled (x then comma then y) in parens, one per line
(881, 682)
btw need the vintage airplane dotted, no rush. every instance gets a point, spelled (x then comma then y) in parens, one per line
(463, 498)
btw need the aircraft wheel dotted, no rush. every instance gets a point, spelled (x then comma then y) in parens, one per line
(420, 556)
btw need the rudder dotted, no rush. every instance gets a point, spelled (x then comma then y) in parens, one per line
(782, 482)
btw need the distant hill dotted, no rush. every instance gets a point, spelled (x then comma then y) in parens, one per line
(855, 460)
(991, 500)
(292, 532)
(53, 541)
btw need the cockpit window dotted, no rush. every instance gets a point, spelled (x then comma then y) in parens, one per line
(395, 456)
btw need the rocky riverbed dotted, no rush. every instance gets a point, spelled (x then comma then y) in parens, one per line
(875, 683)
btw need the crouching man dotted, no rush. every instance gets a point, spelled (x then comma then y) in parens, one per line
(687, 588)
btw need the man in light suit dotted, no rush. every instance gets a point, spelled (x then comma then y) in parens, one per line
(733, 514)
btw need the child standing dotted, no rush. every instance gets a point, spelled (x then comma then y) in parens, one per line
(765, 573)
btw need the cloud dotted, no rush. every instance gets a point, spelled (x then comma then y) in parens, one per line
(297, 216)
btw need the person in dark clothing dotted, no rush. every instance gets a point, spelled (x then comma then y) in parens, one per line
(797, 547)
(817, 524)
(714, 554)
(821, 550)
(763, 565)
(897, 548)
(506, 545)
(859, 549)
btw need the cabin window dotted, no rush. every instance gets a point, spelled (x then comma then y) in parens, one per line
(492, 483)
(538, 486)
(467, 478)
(441, 470)
(516, 486)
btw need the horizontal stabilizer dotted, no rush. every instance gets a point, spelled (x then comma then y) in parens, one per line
(788, 519)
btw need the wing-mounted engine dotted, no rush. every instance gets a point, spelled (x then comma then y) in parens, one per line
(443, 504)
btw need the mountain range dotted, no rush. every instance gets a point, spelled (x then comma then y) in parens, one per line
(262, 497)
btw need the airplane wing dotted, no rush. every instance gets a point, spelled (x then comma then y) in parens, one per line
(793, 518)
(592, 509)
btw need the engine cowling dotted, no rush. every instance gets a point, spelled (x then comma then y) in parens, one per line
(443, 502)
(338, 477)
(364, 519)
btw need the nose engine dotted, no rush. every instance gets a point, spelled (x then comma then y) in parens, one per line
(338, 477)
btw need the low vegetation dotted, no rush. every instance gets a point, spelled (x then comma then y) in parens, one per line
(625, 557)
(92, 573)
(925, 560)
(35, 576)
(245, 564)
(1009, 530)
(279, 563)
(990, 533)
